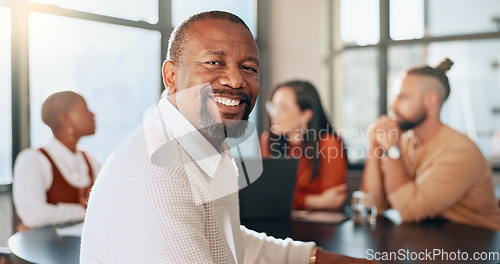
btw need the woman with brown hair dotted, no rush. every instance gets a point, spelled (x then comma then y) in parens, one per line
(300, 129)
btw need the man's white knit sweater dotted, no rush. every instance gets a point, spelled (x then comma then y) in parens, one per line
(167, 196)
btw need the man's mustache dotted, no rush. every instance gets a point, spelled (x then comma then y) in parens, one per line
(208, 91)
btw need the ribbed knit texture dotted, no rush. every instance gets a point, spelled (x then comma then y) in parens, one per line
(160, 206)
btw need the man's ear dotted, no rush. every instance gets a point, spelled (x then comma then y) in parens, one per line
(63, 119)
(169, 73)
(431, 100)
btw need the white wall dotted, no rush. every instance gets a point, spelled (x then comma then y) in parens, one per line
(297, 44)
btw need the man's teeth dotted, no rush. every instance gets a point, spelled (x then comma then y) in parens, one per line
(226, 101)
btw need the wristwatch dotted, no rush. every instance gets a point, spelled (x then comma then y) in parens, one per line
(393, 152)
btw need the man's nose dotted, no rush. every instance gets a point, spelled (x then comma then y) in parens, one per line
(232, 77)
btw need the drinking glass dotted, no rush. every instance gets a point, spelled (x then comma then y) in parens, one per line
(364, 211)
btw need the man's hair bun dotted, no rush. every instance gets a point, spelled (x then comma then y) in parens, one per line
(444, 65)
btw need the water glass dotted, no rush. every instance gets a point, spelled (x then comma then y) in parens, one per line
(364, 210)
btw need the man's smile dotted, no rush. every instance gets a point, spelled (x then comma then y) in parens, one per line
(226, 101)
(228, 104)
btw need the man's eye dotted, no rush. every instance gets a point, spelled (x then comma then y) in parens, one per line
(248, 68)
(214, 63)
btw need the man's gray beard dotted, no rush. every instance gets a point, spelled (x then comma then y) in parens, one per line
(219, 131)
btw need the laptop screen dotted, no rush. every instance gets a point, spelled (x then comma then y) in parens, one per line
(270, 196)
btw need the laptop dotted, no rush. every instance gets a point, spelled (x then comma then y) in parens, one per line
(270, 196)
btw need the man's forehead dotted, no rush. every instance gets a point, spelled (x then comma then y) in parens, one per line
(219, 29)
(404, 85)
(422, 83)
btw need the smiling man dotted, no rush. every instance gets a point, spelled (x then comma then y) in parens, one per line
(423, 168)
(169, 193)
(219, 70)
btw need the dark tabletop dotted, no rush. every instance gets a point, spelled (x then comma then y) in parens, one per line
(405, 240)
(43, 245)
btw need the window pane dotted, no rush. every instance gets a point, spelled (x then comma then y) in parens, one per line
(116, 68)
(245, 9)
(401, 58)
(137, 10)
(407, 19)
(443, 17)
(5, 97)
(359, 99)
(359, 20)
(473, 107)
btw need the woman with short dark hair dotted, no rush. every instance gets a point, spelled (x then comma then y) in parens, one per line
(52, 183)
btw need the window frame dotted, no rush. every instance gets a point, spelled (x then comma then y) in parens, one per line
(20, 83)
(337, 47)
(20, 10)
(3, 180)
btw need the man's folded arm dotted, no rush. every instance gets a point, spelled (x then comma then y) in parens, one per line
(436, 188)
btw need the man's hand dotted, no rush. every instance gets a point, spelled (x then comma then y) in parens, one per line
(323, 257)
(385, 132)
(372, 143)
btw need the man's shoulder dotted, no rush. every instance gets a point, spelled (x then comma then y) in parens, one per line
(445, 137)
(135, 157)
(456, 139)
(452, 144)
